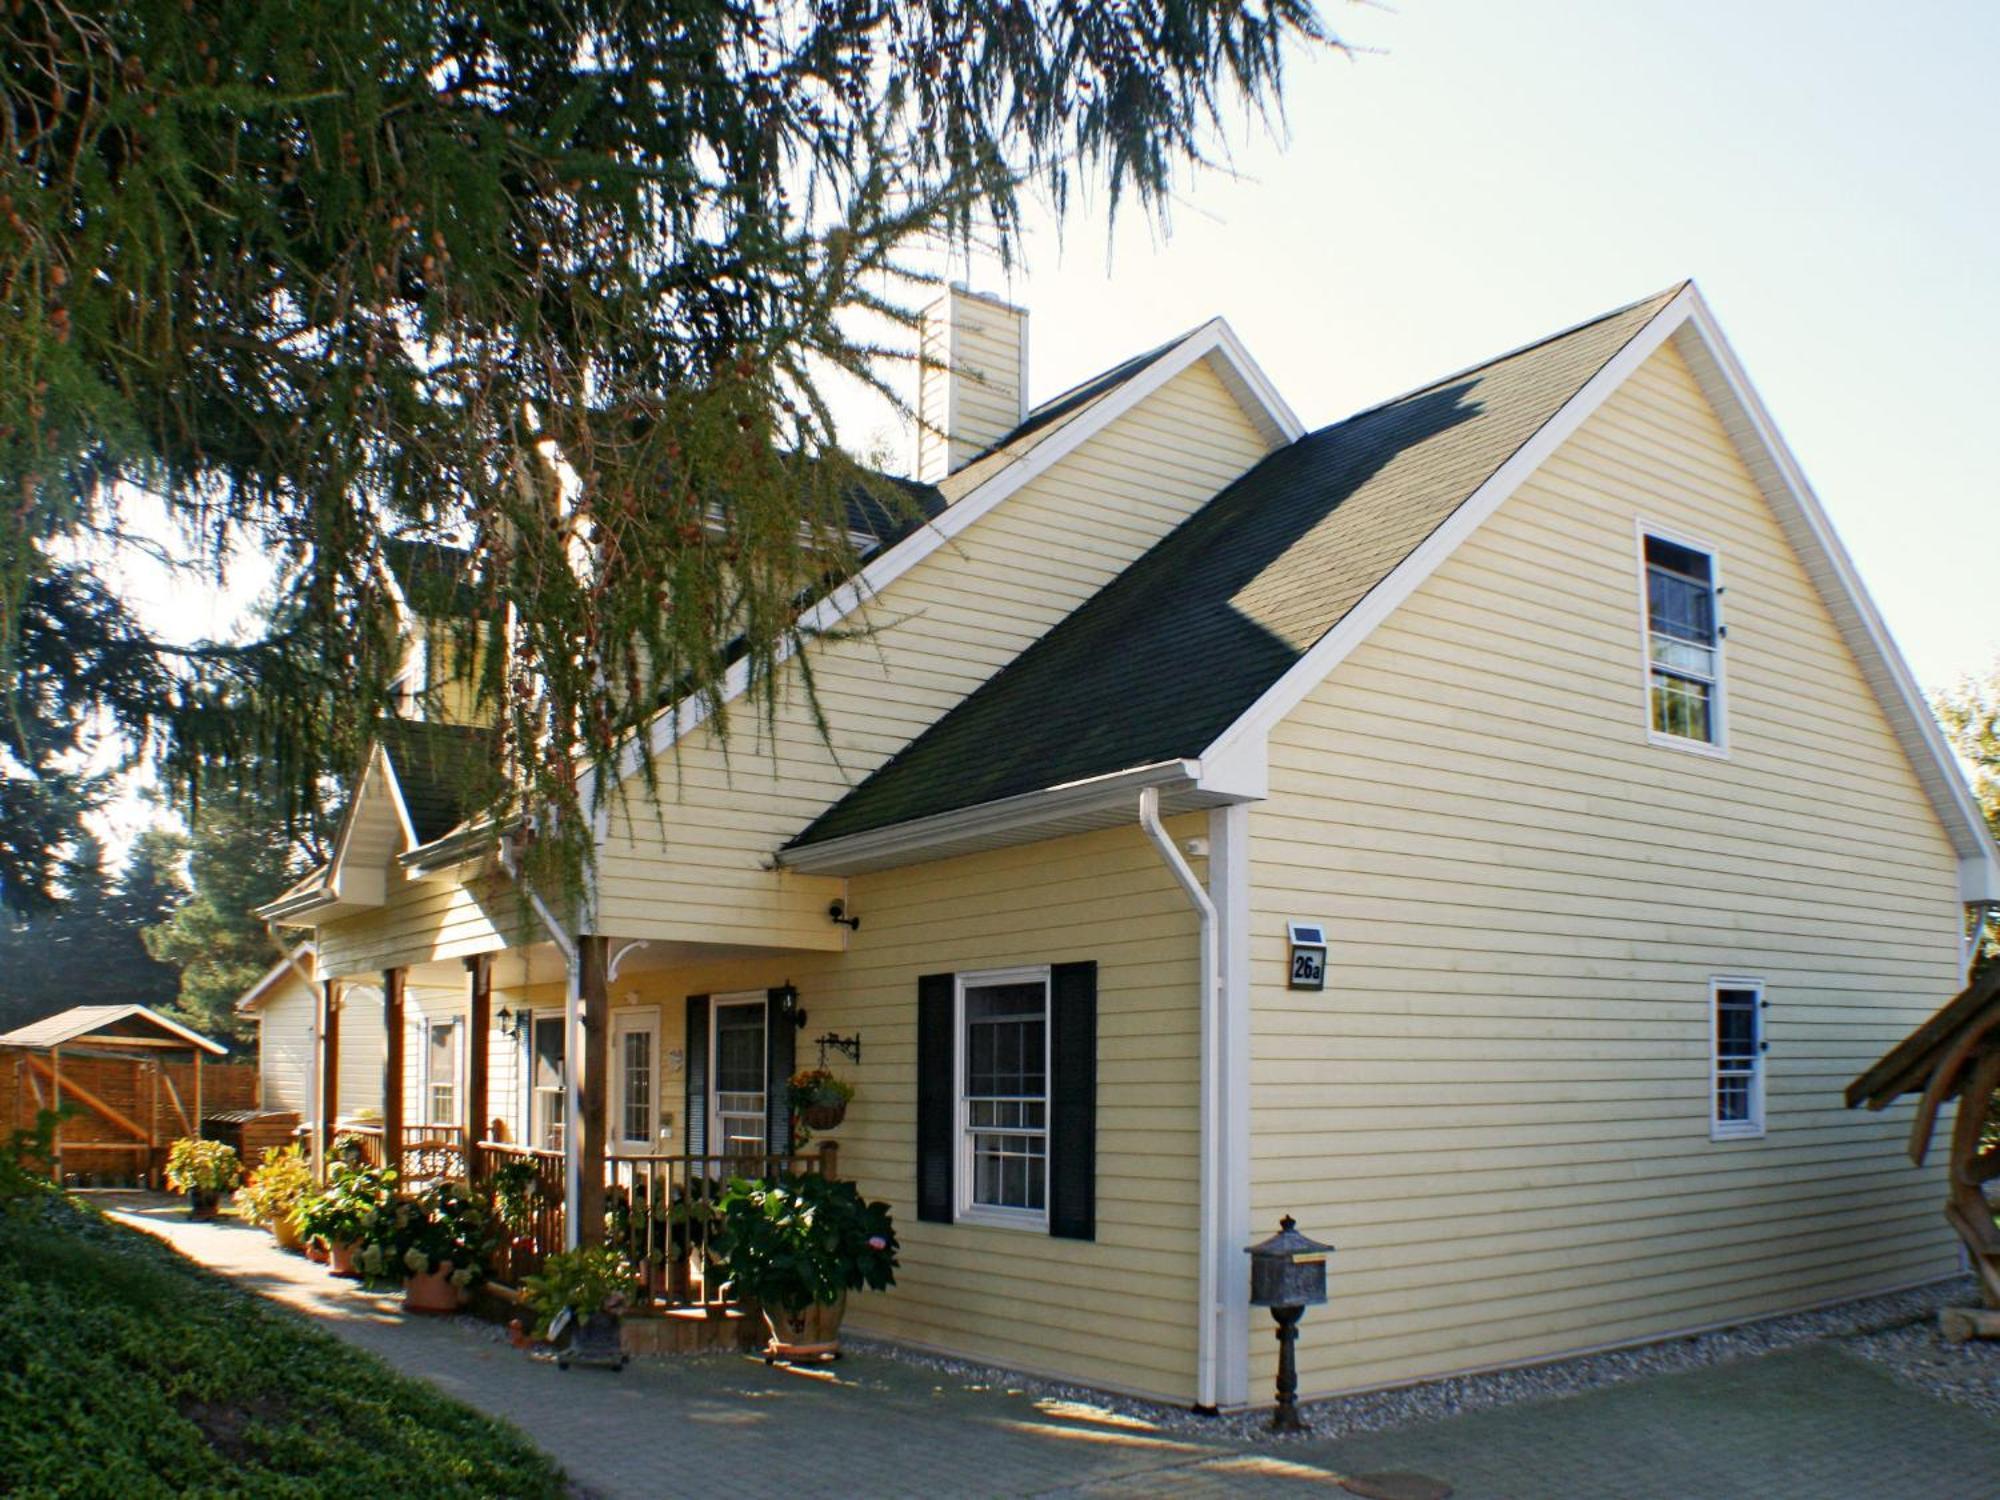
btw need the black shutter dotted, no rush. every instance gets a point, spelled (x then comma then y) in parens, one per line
(937, 1096)
(781, 1035)
(1073, 1101)
(696, 1063)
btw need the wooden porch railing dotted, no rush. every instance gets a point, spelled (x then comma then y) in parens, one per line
(535, 1229)
(662, 1211)
(430, 1153)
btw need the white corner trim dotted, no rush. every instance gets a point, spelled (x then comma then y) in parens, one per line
(1213, 338)
(1728, 388)
(1331, 649)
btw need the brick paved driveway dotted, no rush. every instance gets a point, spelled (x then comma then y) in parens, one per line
(1812, 1423)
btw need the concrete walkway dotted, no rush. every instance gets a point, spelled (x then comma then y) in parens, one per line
(1812, 1422)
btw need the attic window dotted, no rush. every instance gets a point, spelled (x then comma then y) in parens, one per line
(1683, 644)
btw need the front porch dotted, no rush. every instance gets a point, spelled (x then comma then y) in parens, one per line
(632, 1146)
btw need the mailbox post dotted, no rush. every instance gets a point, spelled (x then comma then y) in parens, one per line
(1288, 1275)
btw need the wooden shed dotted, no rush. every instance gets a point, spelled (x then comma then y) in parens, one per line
(1955, 1055)
(136, 1078)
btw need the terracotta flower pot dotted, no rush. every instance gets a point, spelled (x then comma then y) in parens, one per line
(340, 1259)
(432, 1292)
(316, 1251)
(285, 1230)
(810, 1334)
(203, 1203)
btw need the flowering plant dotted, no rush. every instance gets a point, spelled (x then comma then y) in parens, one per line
(346, 1209)
(816, 1086)
(446, 1224)
(804, 1239)
(588, 1281)
(280, 1184)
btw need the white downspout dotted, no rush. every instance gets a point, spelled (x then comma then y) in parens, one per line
(572, 1052)
(1211, 1114)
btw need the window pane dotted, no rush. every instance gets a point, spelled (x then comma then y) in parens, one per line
(638, 1062)
(1010, 1171)
(739, 1048)
(442, 1070)
(1006, 1093)
(1683, 656)
(1680, 607)
(1681, 707)
(1737, 1055)
(1675, 558)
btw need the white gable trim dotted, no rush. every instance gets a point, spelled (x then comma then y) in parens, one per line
(286, 966)
(1215, 340)
(1240, 751)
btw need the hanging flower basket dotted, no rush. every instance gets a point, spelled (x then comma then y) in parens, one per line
(818, 1099)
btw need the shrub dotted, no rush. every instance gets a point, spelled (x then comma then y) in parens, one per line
(346, 1209)
(594, 1279)
(804, 1239)
(198, 1166)
(444, 1224)
(283, 1180)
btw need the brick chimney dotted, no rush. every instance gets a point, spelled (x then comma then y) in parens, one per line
(975, 388)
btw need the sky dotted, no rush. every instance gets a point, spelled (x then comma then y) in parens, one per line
(1478, 175)
(1474, 176)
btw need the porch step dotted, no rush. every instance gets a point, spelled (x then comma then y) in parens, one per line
(691, 1330)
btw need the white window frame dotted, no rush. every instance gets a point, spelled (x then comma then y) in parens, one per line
(1752, 1128)
(529, 1138)
(716, 1003)
(456, 1024)
(1718, 703)
(967, 1211)
(624, 1022)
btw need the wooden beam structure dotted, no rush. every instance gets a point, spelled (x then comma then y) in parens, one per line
(52, 1070)
(478, 1042)
(587, 1134)
(1954, 1056)
(392, 1067)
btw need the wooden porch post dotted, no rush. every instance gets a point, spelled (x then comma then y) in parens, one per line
(593, 991)
(197, 1091)
(392, 1068)
(478, 1040)
(55, 1092)
(329, 1069)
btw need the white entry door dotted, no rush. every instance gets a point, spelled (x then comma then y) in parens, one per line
(739, 1094)
(635, 1082)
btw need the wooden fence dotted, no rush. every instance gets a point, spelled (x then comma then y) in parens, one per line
(127, 1110)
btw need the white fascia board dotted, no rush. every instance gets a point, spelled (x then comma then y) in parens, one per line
(258, 992)
(1213, 338)
(911, 842)
(1812, 535)
(1243, 740)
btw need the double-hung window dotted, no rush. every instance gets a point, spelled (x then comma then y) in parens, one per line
(1003, 1021)
(1737, 1094)
(441, 1073)
(1683, 643)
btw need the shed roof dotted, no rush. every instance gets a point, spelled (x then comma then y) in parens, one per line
(107, 1025)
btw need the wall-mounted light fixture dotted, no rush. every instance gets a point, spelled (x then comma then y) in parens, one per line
(787, 996)
(512, 1022)
(837, 914)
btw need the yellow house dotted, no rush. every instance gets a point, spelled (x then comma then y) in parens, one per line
(1490, 829)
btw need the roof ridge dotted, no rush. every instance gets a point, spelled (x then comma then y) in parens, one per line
(1515, 353)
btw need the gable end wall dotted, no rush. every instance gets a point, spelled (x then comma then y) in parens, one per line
(1499, 1107)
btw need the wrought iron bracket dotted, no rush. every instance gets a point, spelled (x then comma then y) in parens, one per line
(847, 1046)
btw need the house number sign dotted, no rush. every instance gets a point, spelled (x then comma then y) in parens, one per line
(1308, 956)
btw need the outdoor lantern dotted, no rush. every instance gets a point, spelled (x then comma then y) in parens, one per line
(1288, 1275)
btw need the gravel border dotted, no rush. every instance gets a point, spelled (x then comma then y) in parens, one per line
(1898, 1332)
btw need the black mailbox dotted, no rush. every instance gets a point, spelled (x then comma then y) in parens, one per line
(1288, 1269)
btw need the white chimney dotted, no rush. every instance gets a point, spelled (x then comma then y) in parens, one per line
(973, 390)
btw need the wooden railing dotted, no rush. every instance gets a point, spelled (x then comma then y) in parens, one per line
(430, 1153)
(535, 1227)
(663, 1212)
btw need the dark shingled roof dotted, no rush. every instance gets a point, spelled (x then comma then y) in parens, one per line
(443, 770)
(1165, 658)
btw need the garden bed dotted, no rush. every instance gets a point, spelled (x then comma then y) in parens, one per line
(126, 1370)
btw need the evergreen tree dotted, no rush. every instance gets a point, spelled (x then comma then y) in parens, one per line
(559, 280)
(238, 858)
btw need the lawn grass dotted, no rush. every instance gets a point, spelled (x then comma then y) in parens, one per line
(127, 1371)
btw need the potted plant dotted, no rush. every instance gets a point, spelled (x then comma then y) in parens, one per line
(692, 1215)
(585, 1291)
(798, 1246)
(274, 1192)
(204, 1170)
(818, 1100)
(344, 1214)
(438, 1243)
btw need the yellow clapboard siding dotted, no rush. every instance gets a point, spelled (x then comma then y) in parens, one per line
(1499, 1107)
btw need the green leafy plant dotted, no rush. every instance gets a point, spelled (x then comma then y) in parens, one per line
(25, 1169)
(283, 1180)
(516, 1185)
(588, 1281)
(346, 1210)
(816, 1086)
(198, 1166)
(446, 1224)
(804, 1239)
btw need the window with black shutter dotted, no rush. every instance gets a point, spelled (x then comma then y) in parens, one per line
(696, 1063)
